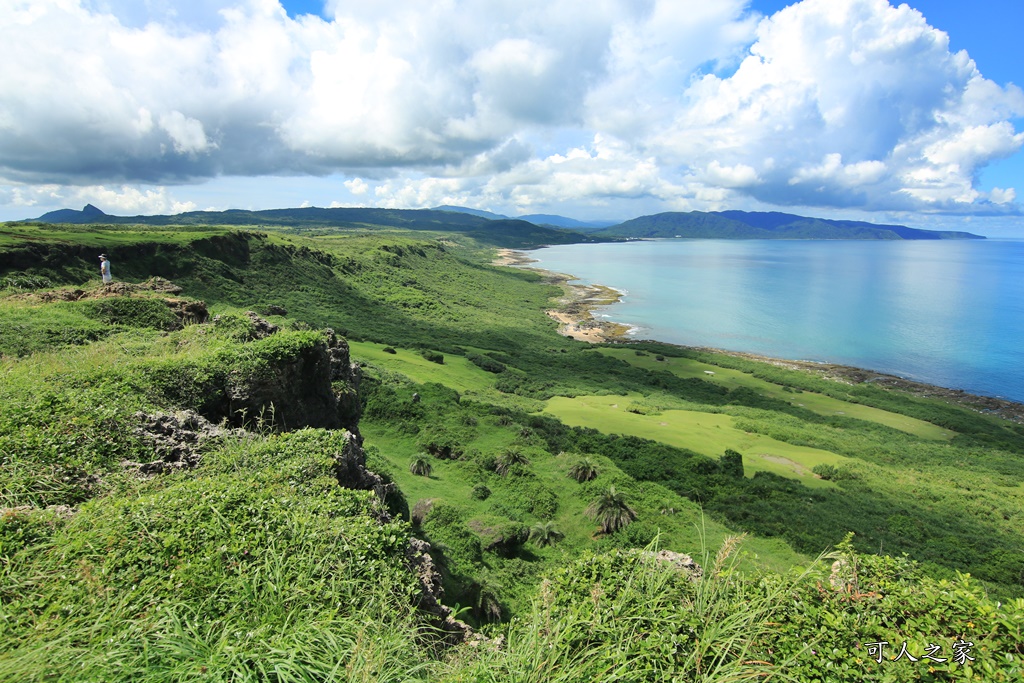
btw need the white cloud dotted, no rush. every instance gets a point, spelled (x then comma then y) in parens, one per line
(186, 133)
(846, 103)
(740, 175)
(689, 103)
(121, 200)
(999, 195)
(357, 186)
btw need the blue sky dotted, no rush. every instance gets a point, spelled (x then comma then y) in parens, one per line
(840, 108)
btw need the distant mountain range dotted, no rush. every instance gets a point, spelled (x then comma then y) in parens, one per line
(547, 219)
(767, 225)
(534, 229)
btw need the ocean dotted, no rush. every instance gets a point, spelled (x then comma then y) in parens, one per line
(949, 312)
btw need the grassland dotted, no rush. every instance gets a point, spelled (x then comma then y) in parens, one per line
(256, 565)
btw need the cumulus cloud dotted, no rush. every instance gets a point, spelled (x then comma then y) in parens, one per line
(683, 103)
(848, 103)
(357, 186)
(122, 200)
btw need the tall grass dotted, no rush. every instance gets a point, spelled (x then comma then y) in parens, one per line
(296, 617)
(631, 617)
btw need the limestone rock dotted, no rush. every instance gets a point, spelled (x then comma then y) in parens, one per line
(177, 439)
(680, 561)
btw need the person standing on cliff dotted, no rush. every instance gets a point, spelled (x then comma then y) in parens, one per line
(105, 269)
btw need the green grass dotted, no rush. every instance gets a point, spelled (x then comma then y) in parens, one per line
(257, 566)
(818, 403)
(456, 372)
(707, 433)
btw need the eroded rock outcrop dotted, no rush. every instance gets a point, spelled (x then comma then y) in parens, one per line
(187, 311)
(317, 387)
(681, 562)
(177, 439)
(418, 558)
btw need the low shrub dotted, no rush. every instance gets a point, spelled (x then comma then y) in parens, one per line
(131, 312)
(433, 356)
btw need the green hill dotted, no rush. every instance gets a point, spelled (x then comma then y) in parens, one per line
(766, 225)
(193, 492)
(501, 231)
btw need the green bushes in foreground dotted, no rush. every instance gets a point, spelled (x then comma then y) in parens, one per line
(277, 575)
(627, 616)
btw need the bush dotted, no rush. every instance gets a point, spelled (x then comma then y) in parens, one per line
(440, 444)
(731, 464)
(480, 492)
(132, 312)
(420, 466)
(485, 363)
(433, 356)
(520, 497)
(458, 546)
(825, 471)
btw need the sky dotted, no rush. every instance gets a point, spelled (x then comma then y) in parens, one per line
(594, 109)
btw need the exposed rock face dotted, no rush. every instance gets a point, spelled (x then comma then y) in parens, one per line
(261, 329)
(680, 561)
(290, 395)
(188, 312)
(417, 555)
(316, 388)
(350, 470)
(177, 439)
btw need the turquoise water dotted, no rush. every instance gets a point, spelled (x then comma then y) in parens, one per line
(949, 313)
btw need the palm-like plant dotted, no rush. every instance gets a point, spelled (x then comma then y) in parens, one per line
(504, 462)
(488, 604)
(545, 533)
(611, 511)
(420, 466)
(585, 469)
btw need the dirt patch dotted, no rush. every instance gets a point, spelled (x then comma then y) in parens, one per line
(795, 466)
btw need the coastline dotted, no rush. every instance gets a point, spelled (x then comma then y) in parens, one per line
(575, 315)
(575, 310)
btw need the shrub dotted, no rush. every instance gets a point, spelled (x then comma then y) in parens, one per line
(388, 349)
(545, 534)
(420, 466)
(132, 312)
(520, 497)
(485, 363)
(611, 511)
(584, 470)
(509, 461)
(825, 471)
(480, 492)
(448, 533)
(731, 464)
(440, 444)
(433, 356)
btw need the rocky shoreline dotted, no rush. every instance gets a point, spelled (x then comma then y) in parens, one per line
(575, 315)
(575, 311)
